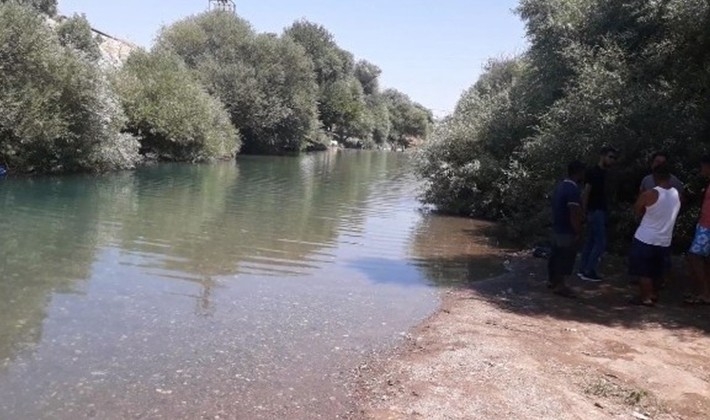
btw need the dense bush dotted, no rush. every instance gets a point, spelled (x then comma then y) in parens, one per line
(342, 109)
(378, 115)
(351, 107)
(170, 111)
(209, 82)
(408, 120)
(76, 32)
(330, 62)
(632, 74)
(266, 82)
(48, 7)
(57, 111)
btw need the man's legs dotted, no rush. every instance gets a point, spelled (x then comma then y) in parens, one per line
(660, 262)
(698, 262)
(552, 276)
(704, 290)
(561, 263)
(645, 263)
(588, 245)
(599, 242)
(646, 290)
(596, 243)
(661, 281)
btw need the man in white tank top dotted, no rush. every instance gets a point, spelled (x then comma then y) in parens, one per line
(658, 209)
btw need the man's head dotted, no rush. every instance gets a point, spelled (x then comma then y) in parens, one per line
(662, 174)
(575, 171)
(705, 166)
(608, 156)
(659, 158)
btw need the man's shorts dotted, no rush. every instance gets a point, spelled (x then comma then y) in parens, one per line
(648, 261)
(701, 242)
(564, 252)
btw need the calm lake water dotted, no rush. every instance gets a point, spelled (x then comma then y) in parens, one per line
(235, 290)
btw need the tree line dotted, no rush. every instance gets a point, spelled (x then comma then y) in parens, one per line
(632, 74)
(210, 87)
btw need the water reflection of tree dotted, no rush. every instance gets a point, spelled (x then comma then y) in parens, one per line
(279, 212)
(454, 250)
(49, 236)
(205, 221)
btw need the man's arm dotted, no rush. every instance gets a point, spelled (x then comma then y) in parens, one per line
(678, 185)
(644, 200)
(642, 187)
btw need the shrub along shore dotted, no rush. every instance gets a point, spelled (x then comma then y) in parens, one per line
(632, 74)
(210, 87)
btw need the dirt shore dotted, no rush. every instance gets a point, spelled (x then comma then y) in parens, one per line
(507, 348)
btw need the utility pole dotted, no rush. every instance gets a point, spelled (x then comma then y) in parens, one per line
(222, 5)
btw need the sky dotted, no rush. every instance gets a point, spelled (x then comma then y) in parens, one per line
(431, 50)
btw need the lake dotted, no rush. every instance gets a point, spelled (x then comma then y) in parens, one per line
(247, 289)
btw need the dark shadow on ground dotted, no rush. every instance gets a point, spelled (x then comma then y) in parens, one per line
(523, 290)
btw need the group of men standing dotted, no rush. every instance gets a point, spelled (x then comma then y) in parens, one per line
(582, 197)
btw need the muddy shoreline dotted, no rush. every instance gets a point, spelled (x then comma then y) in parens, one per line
(506, 348)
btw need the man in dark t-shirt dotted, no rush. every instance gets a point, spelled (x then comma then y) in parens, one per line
(594, 202)
(566, 228)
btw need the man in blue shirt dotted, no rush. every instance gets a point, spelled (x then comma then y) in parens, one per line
(567, 217)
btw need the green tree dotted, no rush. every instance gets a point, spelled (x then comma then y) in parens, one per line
(57, 111)
(331, 63)
(343, 107)
(266, 82)
(48, 7)
(169, 110)
(469, 161)
(76, 32)
(368, 74)
(408, 120)
(632, 74)
(340, 102)
(379, 115)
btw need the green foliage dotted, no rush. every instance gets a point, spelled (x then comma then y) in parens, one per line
(76, 32)
(48, 7)
(343, 109)
(210, 81)
(408, 120)
(341, 106)
(368, 74)
(266, 82)
(633, 74)
(330, 62)
(379, 118)
(169, 110)
(468, 160)
(57, 111)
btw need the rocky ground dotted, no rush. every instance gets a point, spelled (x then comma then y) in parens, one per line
(507, 348)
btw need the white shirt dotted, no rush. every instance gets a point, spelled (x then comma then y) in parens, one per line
(657, 225)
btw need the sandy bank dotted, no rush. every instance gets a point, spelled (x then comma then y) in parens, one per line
(506, 348)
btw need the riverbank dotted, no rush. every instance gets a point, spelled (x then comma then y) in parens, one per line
(507, 348)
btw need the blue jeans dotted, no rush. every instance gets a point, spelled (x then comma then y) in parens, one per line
(595, 244)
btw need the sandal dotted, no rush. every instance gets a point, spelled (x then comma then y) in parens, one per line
(642, 302)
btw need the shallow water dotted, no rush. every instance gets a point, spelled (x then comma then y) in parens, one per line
(235, 290)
